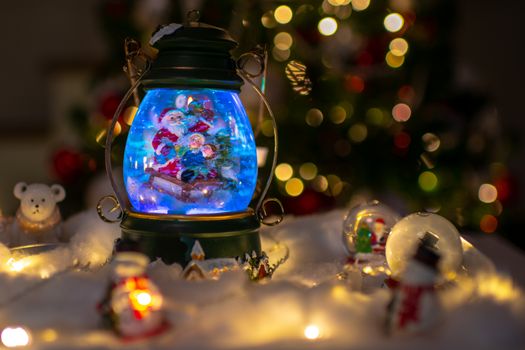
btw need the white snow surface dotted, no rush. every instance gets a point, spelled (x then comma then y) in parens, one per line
(483, 310)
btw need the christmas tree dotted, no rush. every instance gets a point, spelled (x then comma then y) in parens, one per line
(365, 101)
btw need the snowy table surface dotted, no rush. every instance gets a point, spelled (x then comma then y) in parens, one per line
(507, 258)
(483, 310)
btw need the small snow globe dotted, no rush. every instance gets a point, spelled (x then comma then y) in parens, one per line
(190, 161)
(366, 228)
(436, 232)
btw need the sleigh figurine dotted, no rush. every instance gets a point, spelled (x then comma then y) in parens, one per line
(188, 192)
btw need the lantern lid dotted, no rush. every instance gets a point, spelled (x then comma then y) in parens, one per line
(192, 55)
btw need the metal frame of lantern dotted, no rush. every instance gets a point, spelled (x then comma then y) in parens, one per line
(171, 237)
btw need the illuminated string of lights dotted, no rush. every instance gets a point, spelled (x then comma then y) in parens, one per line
(332, 21)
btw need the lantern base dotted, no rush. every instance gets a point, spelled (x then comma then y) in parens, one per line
(171, 237)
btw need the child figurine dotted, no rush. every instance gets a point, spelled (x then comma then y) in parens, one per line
(415, 306)
(193, 159)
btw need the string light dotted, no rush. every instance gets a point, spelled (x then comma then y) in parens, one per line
(428, 181)
(262, 155)
(358, 132)
(338, 2)
(283, 14)
(312, 332)
(13, 337)
(337, 115)
(294, 187)
(117, 129)
(374, 116)
(314, 117)
(320, 183)
(339, 293)
(401, 112)
(280, 55)
(431, 142)
(327, 26)
(267, 128)
(343, 12)
(360, 5)
(140, 299)
(425, 158)
(129, 114)
(49, 335)
(308, 171)
(393, 22)
(394, 61)
(488, 193)
(354, 83)
(335, 184)
(268, 20)
(283, 172)
(18, 265)
(488, 223)
(283, 41)
(398, 47)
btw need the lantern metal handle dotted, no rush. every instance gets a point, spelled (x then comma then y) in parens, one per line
(262, 214)
(120, 196)
(261, 201)
(116, 206)
(109, 140)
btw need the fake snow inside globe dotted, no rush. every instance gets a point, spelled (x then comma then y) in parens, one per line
(436, 231)
(366, 228)
(190, 151)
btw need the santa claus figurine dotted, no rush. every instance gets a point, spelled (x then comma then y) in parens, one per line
(379, 236)
(172, 128)
(415, 306)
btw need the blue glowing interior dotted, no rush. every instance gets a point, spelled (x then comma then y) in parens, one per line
(190, 152)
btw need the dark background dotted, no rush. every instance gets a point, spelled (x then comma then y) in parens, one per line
(51, 51)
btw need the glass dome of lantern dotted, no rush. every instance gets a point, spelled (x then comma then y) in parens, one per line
(190, 161)
(190, 151)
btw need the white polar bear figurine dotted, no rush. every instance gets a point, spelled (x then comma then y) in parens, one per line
(38, 217)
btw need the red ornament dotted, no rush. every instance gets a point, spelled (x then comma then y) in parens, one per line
(402, 140)
(364, 59)
(507, 188)
(68, 165)
(354, 83)
(308, 202)
(109, 105)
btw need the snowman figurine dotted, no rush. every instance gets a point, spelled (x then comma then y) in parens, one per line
(415, 307)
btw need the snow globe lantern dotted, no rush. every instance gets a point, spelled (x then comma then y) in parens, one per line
(190, 161)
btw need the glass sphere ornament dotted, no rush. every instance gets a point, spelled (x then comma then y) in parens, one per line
(190, 161)
(436, 231)
(366, 228)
